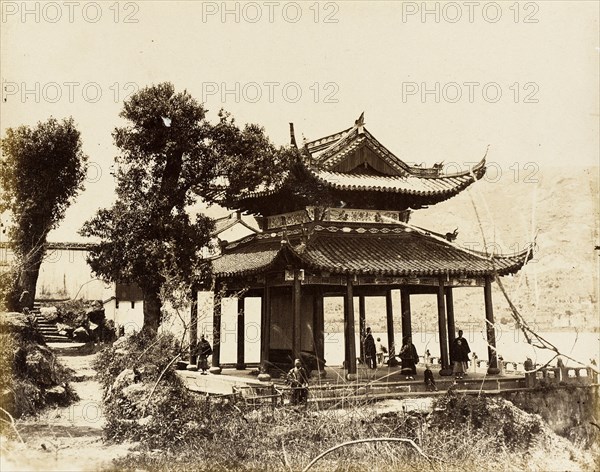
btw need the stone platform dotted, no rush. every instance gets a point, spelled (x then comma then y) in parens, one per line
(383, 382)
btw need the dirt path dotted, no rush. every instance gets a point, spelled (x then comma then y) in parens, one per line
(65, 438)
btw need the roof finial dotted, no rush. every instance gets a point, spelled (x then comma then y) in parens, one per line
(360, 123)
(292, 136)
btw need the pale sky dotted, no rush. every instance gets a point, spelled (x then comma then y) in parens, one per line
(520, 77)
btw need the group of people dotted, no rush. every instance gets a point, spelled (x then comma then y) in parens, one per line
(459, 356)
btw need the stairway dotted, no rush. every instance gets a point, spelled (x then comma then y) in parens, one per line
(48, 328)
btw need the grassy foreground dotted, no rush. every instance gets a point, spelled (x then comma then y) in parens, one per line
(145, 402)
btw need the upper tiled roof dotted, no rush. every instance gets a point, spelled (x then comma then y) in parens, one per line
(347, 142)
(352, 166)
(391, 250)
(328, 152)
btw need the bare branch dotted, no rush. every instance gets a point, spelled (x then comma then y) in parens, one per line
(367, 440)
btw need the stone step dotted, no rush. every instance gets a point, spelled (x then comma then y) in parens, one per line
(57, 339)
(48, 329)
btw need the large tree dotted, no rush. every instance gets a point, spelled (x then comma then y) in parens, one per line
(41, 173)
(169, 156)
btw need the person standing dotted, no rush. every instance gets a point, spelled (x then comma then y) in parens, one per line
(459, 355)
(409, 358)
(461, 358)
(204, 350)
(370, 350)
(298, 380)
(381, 350)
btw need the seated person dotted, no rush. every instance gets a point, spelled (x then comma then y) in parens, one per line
(429, 380)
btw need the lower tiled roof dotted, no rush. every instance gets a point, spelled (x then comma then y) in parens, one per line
(390, 250)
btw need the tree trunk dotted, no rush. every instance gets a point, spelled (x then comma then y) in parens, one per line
(152, 306)
(23, 291)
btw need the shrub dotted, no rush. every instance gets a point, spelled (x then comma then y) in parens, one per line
(495, 417)
(144, 399)
(31, 377)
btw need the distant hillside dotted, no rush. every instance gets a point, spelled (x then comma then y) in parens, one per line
(559, 288)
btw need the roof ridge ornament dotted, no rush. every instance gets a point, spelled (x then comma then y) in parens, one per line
(293, 136)
(360, 123)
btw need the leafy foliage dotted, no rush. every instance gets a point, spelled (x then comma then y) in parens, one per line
(42, 171)
(246, 159)
(169, 156)
(147, 233)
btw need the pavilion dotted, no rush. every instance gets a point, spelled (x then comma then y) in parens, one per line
(338, 225)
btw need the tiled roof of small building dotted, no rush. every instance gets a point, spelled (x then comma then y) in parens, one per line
(387, 250)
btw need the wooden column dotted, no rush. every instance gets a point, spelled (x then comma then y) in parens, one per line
(389, 311)
(362, 325)
(349, 334)
(241, 334)
(450, 315)
(216, 355)
(194, 330)
(441, 306)
(406, 316)
(296, 316)
(319, 324)
(265, 335)
(491, 333)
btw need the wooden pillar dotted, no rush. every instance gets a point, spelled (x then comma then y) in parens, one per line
(241, 334)
(319, 324)
(441, 306)
(450, 315)
(491, 333)
(216, 355)
(406, 316)
(296, 316)
(265, 335)
(193, 364)
(349, 334)
(389, 311)
(362, 325)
